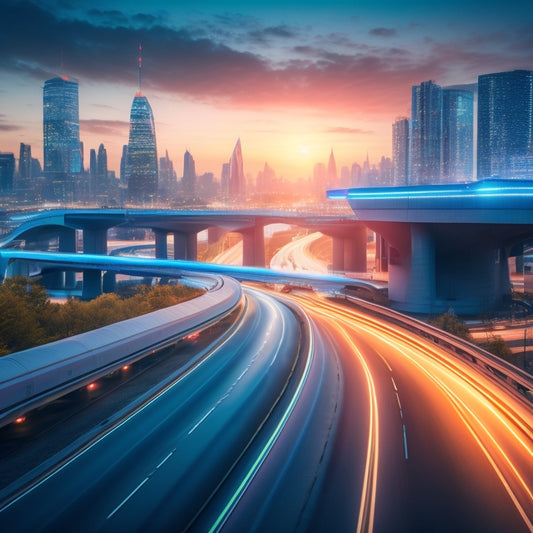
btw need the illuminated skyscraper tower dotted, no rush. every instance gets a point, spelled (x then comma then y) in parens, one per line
(61, 135)
(425, 153)
(141, 165)
(236, 182)
(505, 122)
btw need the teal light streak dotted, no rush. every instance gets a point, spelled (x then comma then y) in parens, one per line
(268, 446)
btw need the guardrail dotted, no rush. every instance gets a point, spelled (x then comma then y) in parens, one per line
(513, 378)
(33, 377)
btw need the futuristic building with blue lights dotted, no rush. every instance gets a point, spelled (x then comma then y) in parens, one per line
(505, 123)
(61, 136)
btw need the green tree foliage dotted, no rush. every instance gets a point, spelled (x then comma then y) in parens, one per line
(450, 323)
(497, 345)
(28, 318)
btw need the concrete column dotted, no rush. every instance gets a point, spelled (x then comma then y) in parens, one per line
(355, 251)
(214, 234)
(67, 243)
(337, 245)
(186, 246)
(192, 246)
(109, 282)
(253, 246)
(94, 242)
(412, 286)
(382, 254)
(161, 247)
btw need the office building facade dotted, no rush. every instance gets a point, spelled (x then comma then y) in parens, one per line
(457, 135)
(400, 151)
(505, 123)
(425, 153)
(61, 136)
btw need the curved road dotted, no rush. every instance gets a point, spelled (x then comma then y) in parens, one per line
(446, 449)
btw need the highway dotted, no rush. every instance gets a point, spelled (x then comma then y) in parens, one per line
(446, 448)
(308, 414)
(185, 459)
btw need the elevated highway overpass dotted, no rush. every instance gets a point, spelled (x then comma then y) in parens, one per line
(448, 245)
(36, 230)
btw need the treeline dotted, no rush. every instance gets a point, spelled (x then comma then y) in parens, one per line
(28, 318)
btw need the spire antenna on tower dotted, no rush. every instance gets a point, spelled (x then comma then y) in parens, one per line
(140, 60)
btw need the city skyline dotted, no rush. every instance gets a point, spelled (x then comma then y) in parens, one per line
(292, 82)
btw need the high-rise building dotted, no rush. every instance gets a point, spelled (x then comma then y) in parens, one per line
(457, 135)
(331, 176)
(236, 180)
(400, 151)
(141, 164)
(92, 163)
(61, 135)
(25, 166)
(505, 122)
(425, 154)
(101, 165)
(7, 173)
(189, 175)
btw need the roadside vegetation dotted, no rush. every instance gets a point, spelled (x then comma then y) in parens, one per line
(494, 344)
(28, 318)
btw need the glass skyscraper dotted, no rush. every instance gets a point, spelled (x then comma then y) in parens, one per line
(505, 122)
(457, 135)
(400, 151)
(425, 153)
(141, 164)
(61, 135)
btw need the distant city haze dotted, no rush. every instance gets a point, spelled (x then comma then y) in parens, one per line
(291, 80)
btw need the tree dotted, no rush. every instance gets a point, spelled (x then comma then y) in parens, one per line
(450, 323)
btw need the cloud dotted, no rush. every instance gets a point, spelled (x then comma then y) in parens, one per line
(6, 126)
(383, 32)
(104, 127)
(324, 72)
(349, 131)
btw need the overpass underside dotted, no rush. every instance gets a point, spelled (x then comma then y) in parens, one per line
(436, 268)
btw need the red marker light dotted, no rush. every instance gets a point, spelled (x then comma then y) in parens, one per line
(91, 386)
(20, 419)
(126, 367)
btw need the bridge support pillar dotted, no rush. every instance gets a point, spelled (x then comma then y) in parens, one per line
(214, 234)
(161, 246)
(253, 246)
(94, 242)
(382, 254)
(186, 246)
(337, 261)
(355, 251)
(61, 279)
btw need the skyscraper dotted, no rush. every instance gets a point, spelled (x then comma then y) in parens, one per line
(236, 181)
(141, 165)
(505, 122)
(425, 135)
(61, 135)
(332, 172)
(457, 135)
(400, 151)
(7, 172)
(189, 175)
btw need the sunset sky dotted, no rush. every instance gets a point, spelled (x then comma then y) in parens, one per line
(292, 79)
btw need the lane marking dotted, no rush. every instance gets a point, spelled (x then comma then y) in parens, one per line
(145, 480)
(405, 442)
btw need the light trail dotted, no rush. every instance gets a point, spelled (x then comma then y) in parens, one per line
(498, 423)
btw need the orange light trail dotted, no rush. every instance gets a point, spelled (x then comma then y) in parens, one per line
(498, 422)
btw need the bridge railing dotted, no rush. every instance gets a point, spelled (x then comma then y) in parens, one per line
(34, 377)
(514, 379)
